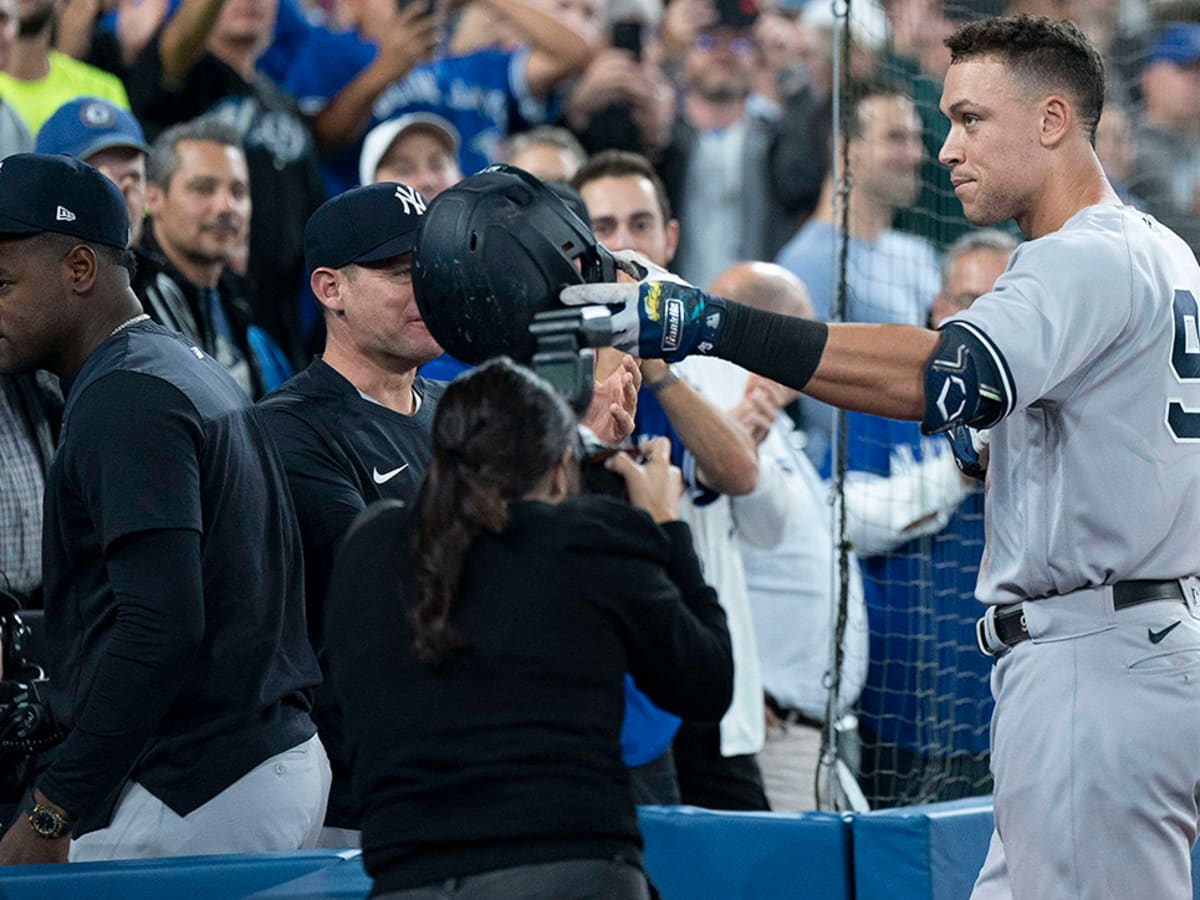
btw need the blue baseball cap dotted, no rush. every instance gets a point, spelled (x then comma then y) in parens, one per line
(1178, 44)
(87, 125)
(60, 194)
(365, 224)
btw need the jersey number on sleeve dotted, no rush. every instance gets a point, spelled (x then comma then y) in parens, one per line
(1183, 423)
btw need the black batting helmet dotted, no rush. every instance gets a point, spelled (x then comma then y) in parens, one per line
(492, 252)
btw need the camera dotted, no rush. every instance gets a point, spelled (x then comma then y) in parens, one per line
(27, 726)
(595, 475)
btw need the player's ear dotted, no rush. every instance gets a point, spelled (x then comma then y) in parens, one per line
(1057, 120)
(326, 287)
(81, 266)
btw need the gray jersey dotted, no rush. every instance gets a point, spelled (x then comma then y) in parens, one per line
(1094, 475)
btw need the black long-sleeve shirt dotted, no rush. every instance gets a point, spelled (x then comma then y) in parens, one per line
(176, 644)
(507, 752)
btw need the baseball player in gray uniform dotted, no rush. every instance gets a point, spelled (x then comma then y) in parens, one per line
(1084, 363)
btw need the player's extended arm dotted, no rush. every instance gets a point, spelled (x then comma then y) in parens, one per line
(870, 368)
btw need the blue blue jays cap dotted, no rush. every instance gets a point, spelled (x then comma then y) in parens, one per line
(1178, 44)
(60, 194)
(88, 125)
(365, 224)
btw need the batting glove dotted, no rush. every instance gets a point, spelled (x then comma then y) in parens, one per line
(660, 316)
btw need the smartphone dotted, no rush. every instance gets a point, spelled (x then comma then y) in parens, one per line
(628, 36)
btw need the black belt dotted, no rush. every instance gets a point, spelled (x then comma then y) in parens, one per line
(1009, 621)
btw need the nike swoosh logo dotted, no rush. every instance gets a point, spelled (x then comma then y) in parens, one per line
(1156, 636)
(384, 477)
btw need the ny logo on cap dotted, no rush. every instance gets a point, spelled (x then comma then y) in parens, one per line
(414, 204)
(64, 215)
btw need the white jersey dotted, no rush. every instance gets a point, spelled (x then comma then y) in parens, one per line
(1094, 474)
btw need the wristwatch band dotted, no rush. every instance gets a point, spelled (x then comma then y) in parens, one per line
(48, 823)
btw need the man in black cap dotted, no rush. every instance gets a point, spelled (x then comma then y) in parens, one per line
(354, 427)
(174, 611)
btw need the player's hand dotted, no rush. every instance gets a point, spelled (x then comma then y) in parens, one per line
(970, 449)
(654, 485)
(614, 402)
(659, 316)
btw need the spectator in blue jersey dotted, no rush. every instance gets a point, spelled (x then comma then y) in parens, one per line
(350, 81)
(353, 428)
(917, 524)
(203, 61)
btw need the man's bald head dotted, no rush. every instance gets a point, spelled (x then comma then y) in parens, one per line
(764, 286)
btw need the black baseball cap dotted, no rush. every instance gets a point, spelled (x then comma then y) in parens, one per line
(365, 224)
(41, 192)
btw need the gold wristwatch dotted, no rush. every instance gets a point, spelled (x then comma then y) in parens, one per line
(47, 823)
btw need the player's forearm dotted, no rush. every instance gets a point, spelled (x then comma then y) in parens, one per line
(874, 369)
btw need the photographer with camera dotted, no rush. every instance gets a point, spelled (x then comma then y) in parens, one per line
(354, 426)
(483, 685)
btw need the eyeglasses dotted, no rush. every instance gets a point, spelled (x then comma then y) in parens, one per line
(739, 45)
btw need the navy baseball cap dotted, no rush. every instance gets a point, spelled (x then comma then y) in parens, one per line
(1178, 44)
(88, 125)
(60, 194)
(365, 224)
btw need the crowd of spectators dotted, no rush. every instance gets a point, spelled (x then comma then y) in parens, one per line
(700, 133)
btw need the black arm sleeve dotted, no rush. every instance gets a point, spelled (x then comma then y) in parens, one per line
(786, 349)
(158, 596)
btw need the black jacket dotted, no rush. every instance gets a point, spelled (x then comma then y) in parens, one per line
(173, 301)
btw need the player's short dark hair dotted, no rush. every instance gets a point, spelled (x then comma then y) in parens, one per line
(619, 164)
(857, 93)
(60, 244)
(162, 162)
(1050, 54)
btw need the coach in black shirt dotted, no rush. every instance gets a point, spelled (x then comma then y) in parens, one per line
(174, 610)
(354, 427)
